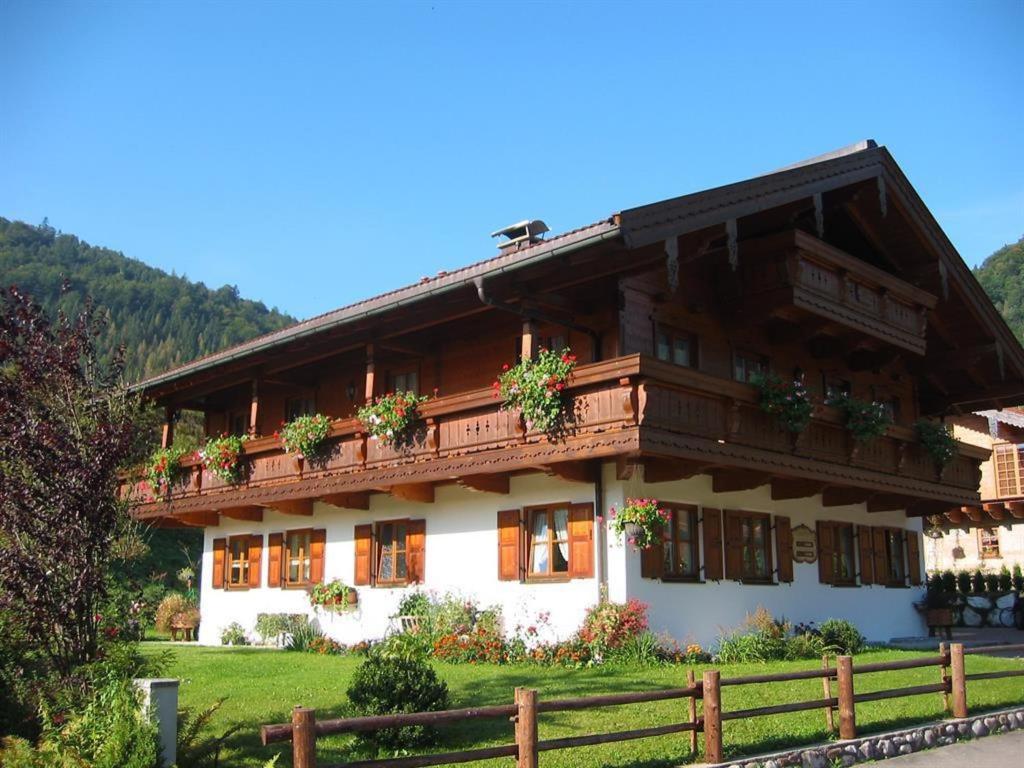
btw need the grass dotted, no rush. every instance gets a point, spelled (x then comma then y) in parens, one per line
(262, 685)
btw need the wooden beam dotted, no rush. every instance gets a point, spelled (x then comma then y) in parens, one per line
(888, 502)
(369, 391)
(167, 435)
(198, 519)
(573, 471)
(528, 349)
(486, 483)
(795, 488)
(666, 470)
(253, 513)
(626, 466)
(291, 506)
(996, 510)
(844, 496)
(355, 500)
(974, 513)
(729, 480)
(254, 409)
(1016, 509)
(955, 516)
(421, 492)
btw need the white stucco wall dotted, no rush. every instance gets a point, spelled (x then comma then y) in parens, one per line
(942, 554)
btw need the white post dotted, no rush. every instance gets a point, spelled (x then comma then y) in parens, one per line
(160, 701)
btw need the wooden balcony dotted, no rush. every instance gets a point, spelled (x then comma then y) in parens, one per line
(633, 408)
(793, 274)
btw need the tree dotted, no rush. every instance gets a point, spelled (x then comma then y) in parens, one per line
(67, 426)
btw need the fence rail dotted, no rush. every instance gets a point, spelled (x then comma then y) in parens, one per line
(305, 728)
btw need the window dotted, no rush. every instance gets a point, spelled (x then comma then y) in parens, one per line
(238, 422)
(988, 542)
(553, 343)
(238, 562)
(834, 386)
(297, 560)
(1009, 461)
(894, 557)
(392, 550)
(676, 347)
(548, 534)
(755, 540)
(844, 562)
(407, 381)
(889, 402)
(746, 364)
(299, 406)
(680, 549)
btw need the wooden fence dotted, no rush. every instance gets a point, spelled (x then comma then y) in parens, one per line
(952, 686)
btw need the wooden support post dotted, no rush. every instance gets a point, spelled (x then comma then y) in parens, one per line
(712, 717)
(956, 658)
(526, 727)
(167, 437)
(826, 687)
(691, 682)
(368, 394)
(944, 674)
(303, 738)
(847, 716)
(254, 409)
(529, 346)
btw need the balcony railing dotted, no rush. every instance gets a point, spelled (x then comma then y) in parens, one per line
(691, 411)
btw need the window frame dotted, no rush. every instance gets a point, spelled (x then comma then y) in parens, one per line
(393, 582)
(308, 407)
(242, 416)
(986, 552)
(748, 356)
(829, 380)
(837, 579)
(286, 549)
(899, 533)
(393, 377)
(552, 542)
(671, 543)
(766, 517)
(1009, 472)
(245, 539)
(675, 334)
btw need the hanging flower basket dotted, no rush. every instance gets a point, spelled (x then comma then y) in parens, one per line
(937, 440)
(864, 420)
(305, 435)
(390, 416)
(787, 401)
(163, 469)
(535, 388)
(333, 595)
(640, 522)
(222, 456)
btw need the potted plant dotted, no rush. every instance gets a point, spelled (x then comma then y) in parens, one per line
(535, 388)
(390, 416)
(787, 401)
(864, 420)
(937, 440)
(640, 522)
(304, 436)
(163, 468)
(222, 456)
(939, 610)
(333, 595)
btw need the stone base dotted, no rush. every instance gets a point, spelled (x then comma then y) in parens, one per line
(882, 745)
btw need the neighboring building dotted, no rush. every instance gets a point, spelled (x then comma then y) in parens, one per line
(832, 271)
(990, 535)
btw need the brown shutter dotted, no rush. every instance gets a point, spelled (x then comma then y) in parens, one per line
(317, 545)
(733, 545)
(712, 544)
(364, 555)
(581, 541)
(913, 557)
(275, 546)
(784, 548)
(220, 547)
(652, 561)
(881, 563)
(867, 558)
(826, 552)
(415, 547)
(255, 558)
(510, 545)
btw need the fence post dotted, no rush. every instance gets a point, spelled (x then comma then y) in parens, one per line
(956, 658)
(303, 738)
(526, 727)
(826, 687)
(712, 717)
(944, 674)
(691, 682)
(847, 713)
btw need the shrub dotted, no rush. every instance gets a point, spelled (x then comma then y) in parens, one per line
(947, 581)
(405, 646)
(1005, 580)
(640, 650)
(325, 646)
(384, 686)
(233, 634)
(805, 645)
(572, 653)
(963, 582)
(414, 603)
(195, 747)
(1018, 578)
(992, 582)
(302, 636)
(175, 608)
(841, 636)
(482, 645)
(747, 646)
(978, 582)
(607, 626)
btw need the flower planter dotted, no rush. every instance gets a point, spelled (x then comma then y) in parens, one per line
(940, 618)
(352, 598)
(633, 530)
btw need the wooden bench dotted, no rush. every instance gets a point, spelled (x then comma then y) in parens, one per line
(182, 629)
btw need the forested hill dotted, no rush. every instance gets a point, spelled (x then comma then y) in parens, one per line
(1002, 277)
(163, 320)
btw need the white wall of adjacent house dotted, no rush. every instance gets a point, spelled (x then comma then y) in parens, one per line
(970, 549)
(701, 612)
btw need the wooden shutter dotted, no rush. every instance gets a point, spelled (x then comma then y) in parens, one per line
(415, 548)
(881, 563)
(652, 561)
(275, 547)
(867, 557)
(733, 545)
(510, 545)
(317, 545)
(712, 544)
(913, 557)
(581, 541)
(826, 552)
(784, 548)
(364, 555)
(255, 558)
(220, 551)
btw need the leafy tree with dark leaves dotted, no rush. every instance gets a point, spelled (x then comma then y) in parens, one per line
(66, 426)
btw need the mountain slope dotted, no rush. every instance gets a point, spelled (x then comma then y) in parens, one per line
(163, 320)
(1002, 277)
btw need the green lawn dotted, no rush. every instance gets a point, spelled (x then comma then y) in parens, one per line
(262, 685)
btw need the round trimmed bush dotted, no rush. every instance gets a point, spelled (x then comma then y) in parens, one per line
(841, 636)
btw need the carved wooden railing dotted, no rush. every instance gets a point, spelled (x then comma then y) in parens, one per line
(611, 395)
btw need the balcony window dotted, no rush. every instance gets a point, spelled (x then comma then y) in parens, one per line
(676, 347)
(299, 406)
(238, 423)
(988, 542)
(835, 387)
(746, 364)
(1009, 461)
(406, 381)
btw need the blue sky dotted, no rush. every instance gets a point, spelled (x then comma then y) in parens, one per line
(318, 153)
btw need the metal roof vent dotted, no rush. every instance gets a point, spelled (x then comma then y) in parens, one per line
(521, 235)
